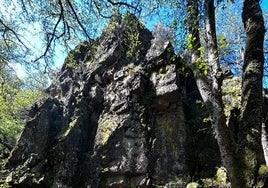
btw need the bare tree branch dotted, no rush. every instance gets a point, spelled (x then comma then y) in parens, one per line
(99, 10)
(24, 7)
(7, 28)
(77, 19)
(124, 4)
(51, 36)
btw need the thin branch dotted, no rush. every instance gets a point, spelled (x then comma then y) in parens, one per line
(124, 4)
(5, 40)
(7, 28)
(99, 11)
(77, 19)
(24, 7)
(53, 34)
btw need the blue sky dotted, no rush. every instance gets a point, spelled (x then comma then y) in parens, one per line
(59, 60)
(264, 4)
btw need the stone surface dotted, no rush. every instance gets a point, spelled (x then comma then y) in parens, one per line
(115, 118)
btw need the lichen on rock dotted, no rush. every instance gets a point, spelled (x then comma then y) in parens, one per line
(118, 120)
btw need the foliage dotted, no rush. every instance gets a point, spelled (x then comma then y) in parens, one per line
(190, 42)
(76, 56)
(134, 45)
(231, 94)
(200, 64)
(221, 176)
(222, 42)
(240, 163)
(133, 40)
(15, 101)
(192, 185)
(58, 26)
(263, 171)
(16, 98)
(62, 24)
(232, 35)
(71, 63)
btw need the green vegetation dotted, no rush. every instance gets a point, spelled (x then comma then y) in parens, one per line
(263, 171)
(163, 71)
(200, 65)
(192, 185)
(132, 44)
(76, 56)
(71, 63)
(113, 25)
(106, 129)
(211, 43)
(16, 99)
(231, 94)
(190, 42)
(221, 176)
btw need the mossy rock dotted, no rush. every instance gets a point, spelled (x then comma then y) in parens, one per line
(263, 171)
(193, 185)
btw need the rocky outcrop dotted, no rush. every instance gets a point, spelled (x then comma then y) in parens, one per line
(115, 117)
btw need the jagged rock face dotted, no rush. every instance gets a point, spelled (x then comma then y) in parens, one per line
(115, 118)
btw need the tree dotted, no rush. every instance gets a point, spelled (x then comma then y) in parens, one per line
(60, 24)
(243, 156)
(68, 22)
(252, 87)
(16, 98)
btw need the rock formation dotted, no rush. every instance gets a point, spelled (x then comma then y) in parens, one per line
(115, 117)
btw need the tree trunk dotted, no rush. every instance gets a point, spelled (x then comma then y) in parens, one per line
(209, 85)
(249, 150)
(226, 141)
(264, 142)
(243, 156)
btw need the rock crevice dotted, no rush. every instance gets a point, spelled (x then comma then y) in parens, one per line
(115, 117)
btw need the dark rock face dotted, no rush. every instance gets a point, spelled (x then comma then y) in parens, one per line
(115, 119)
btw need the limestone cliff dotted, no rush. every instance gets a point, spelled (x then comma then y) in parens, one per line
(115, 117)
